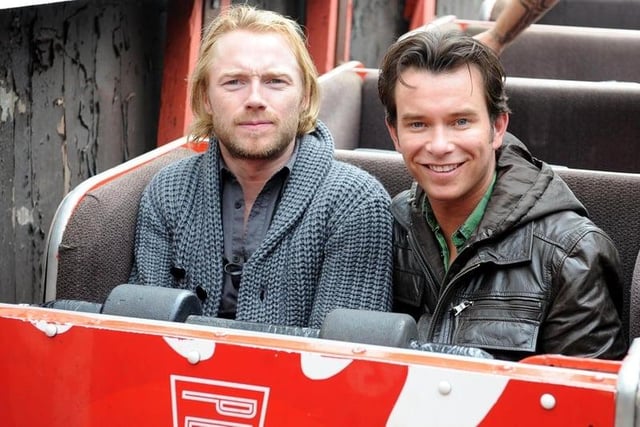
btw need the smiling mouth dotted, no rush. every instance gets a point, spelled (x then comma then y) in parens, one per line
(444, 168)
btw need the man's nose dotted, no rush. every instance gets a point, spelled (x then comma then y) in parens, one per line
(256, 95)
(439, 140)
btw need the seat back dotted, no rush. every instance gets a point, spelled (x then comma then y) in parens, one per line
(634, 301)
(612, 200)
(340, 103)
(386, 165)
(569, 53)
(90, 242)
(373, 131)
(563, 122)
(595, 13)
(579, 124)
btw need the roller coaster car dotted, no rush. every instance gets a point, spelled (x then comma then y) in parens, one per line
(101, 352)
(106, 366)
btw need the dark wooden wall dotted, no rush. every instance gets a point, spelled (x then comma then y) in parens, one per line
(375, 24)
(80, 89)
(79, 93)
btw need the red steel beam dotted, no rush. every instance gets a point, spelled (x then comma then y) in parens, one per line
(343, 33)
(322, 25)
(420, 12)
(184, 27)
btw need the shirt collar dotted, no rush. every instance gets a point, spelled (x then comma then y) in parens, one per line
(464, 232)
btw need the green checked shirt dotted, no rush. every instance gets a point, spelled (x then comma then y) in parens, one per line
(462, 234)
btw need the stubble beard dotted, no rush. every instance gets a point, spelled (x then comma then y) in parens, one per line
(256, 147)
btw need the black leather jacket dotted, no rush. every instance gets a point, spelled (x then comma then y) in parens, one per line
(537, 276)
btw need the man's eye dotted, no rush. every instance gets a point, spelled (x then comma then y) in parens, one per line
(276, 82)
(232, 82)
(462, 122)
(416, 125)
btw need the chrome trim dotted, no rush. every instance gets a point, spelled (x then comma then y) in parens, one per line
(627, 388)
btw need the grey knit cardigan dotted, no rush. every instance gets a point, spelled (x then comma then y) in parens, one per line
(328, 246)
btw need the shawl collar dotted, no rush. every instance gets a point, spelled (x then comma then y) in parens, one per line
(312, 164)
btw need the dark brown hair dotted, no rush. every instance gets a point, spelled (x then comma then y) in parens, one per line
(439, 52)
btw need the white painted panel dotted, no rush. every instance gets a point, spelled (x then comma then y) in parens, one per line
(9, 4)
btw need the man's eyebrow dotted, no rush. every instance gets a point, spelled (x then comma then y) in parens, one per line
(411, 117)
(465, 112)
(231, 74)
(246, 72)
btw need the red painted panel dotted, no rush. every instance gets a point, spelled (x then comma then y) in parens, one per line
(68, 369)
(321, 26)
(419, 12)
(184, 26)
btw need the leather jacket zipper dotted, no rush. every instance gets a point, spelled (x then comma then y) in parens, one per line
(431, 279)
(516, 303)
(443, 300)
(457, 309)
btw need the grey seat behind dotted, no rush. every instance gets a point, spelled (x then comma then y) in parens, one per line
(373, 131)
(570, 53)
(624, 14)
(578, 124)
(634, 303)
(340, 105)
(351, 109)
(96, 251)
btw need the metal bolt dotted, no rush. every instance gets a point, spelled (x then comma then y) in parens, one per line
(547, 401)
(193, 357)
(51, 330)
(444, 387)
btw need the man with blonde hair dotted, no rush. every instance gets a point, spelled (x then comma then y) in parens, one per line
(265, 226)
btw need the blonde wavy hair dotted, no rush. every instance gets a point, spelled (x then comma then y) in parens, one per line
(243, 17)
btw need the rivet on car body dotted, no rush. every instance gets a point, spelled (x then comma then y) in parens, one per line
(444, 387)
(193, 357)
(547, 401)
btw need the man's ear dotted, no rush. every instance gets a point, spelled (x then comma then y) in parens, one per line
(393, 132)
(306, 97)
(500, 125)
(304, 102)
(207, 106)
(206, 103)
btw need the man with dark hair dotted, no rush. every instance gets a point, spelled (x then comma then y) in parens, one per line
(491, 248)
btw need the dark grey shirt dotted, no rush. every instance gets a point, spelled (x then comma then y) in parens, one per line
(240, 243)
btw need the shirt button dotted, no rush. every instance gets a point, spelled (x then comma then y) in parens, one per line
(238, 205)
